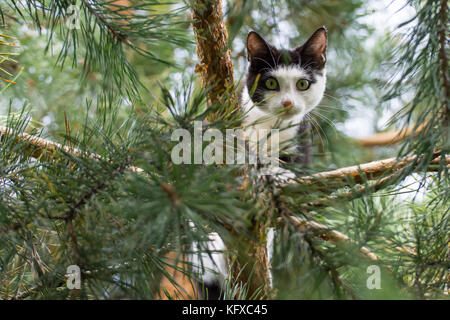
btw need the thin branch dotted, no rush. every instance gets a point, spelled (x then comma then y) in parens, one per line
(346, 288)
(116, 34)
(73, 236)
(24, 294)
(389, 137)
(366, 171)
(354, 193)
(44, 149)
(325, 233)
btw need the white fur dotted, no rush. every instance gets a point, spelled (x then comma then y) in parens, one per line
(211, 266)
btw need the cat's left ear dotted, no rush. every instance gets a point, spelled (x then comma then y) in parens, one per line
(256, 46)
(315, 48)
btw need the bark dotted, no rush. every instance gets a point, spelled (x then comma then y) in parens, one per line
(443, 61)
(215, 65)
(366, 171)
(250, 265)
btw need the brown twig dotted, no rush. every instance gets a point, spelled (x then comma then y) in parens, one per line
(73, 237)
(46, 150)
(366, 171)
(356, 192)
(42, 148)
(389, 137)
(116, 34)
(325, 233)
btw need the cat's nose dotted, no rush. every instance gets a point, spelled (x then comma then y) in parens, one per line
(287, 103)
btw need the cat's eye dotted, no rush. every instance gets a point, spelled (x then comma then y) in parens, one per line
(271, 83)
(303, 84)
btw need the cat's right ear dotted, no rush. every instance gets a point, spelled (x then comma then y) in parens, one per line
(256, 46)
(315, 48)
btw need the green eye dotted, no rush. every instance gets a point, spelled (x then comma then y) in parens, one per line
(271, 84)
(303, 84)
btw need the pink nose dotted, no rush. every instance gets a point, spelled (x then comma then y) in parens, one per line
(287, 103)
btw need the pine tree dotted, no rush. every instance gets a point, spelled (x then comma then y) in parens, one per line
(108, 198)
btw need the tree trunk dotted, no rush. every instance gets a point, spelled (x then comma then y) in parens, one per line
(216, 69)
(215, 65)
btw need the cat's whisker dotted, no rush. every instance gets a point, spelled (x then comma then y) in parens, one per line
(325, 118)
(321, 129)
(330, 107)
(278, 60)
(330, 96)
(307, 66)
(339, 107)
(317, 128)
(314, 127)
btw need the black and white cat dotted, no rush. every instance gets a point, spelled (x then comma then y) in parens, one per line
(282, 87)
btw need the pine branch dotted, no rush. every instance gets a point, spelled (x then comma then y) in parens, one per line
(73, 237)
(116, 34)
(367, 171)
(354, 193)
(389, 137)
(45, 150)
(325, 233)
(74, 208)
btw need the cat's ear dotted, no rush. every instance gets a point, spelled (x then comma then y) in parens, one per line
(256, 46)
(315, 48)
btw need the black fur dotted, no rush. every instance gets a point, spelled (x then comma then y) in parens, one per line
(210, 291)
(304, 147)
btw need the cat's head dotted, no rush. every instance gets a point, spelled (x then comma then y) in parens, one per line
(288, 83)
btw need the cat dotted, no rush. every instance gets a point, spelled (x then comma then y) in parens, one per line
(282, 87)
